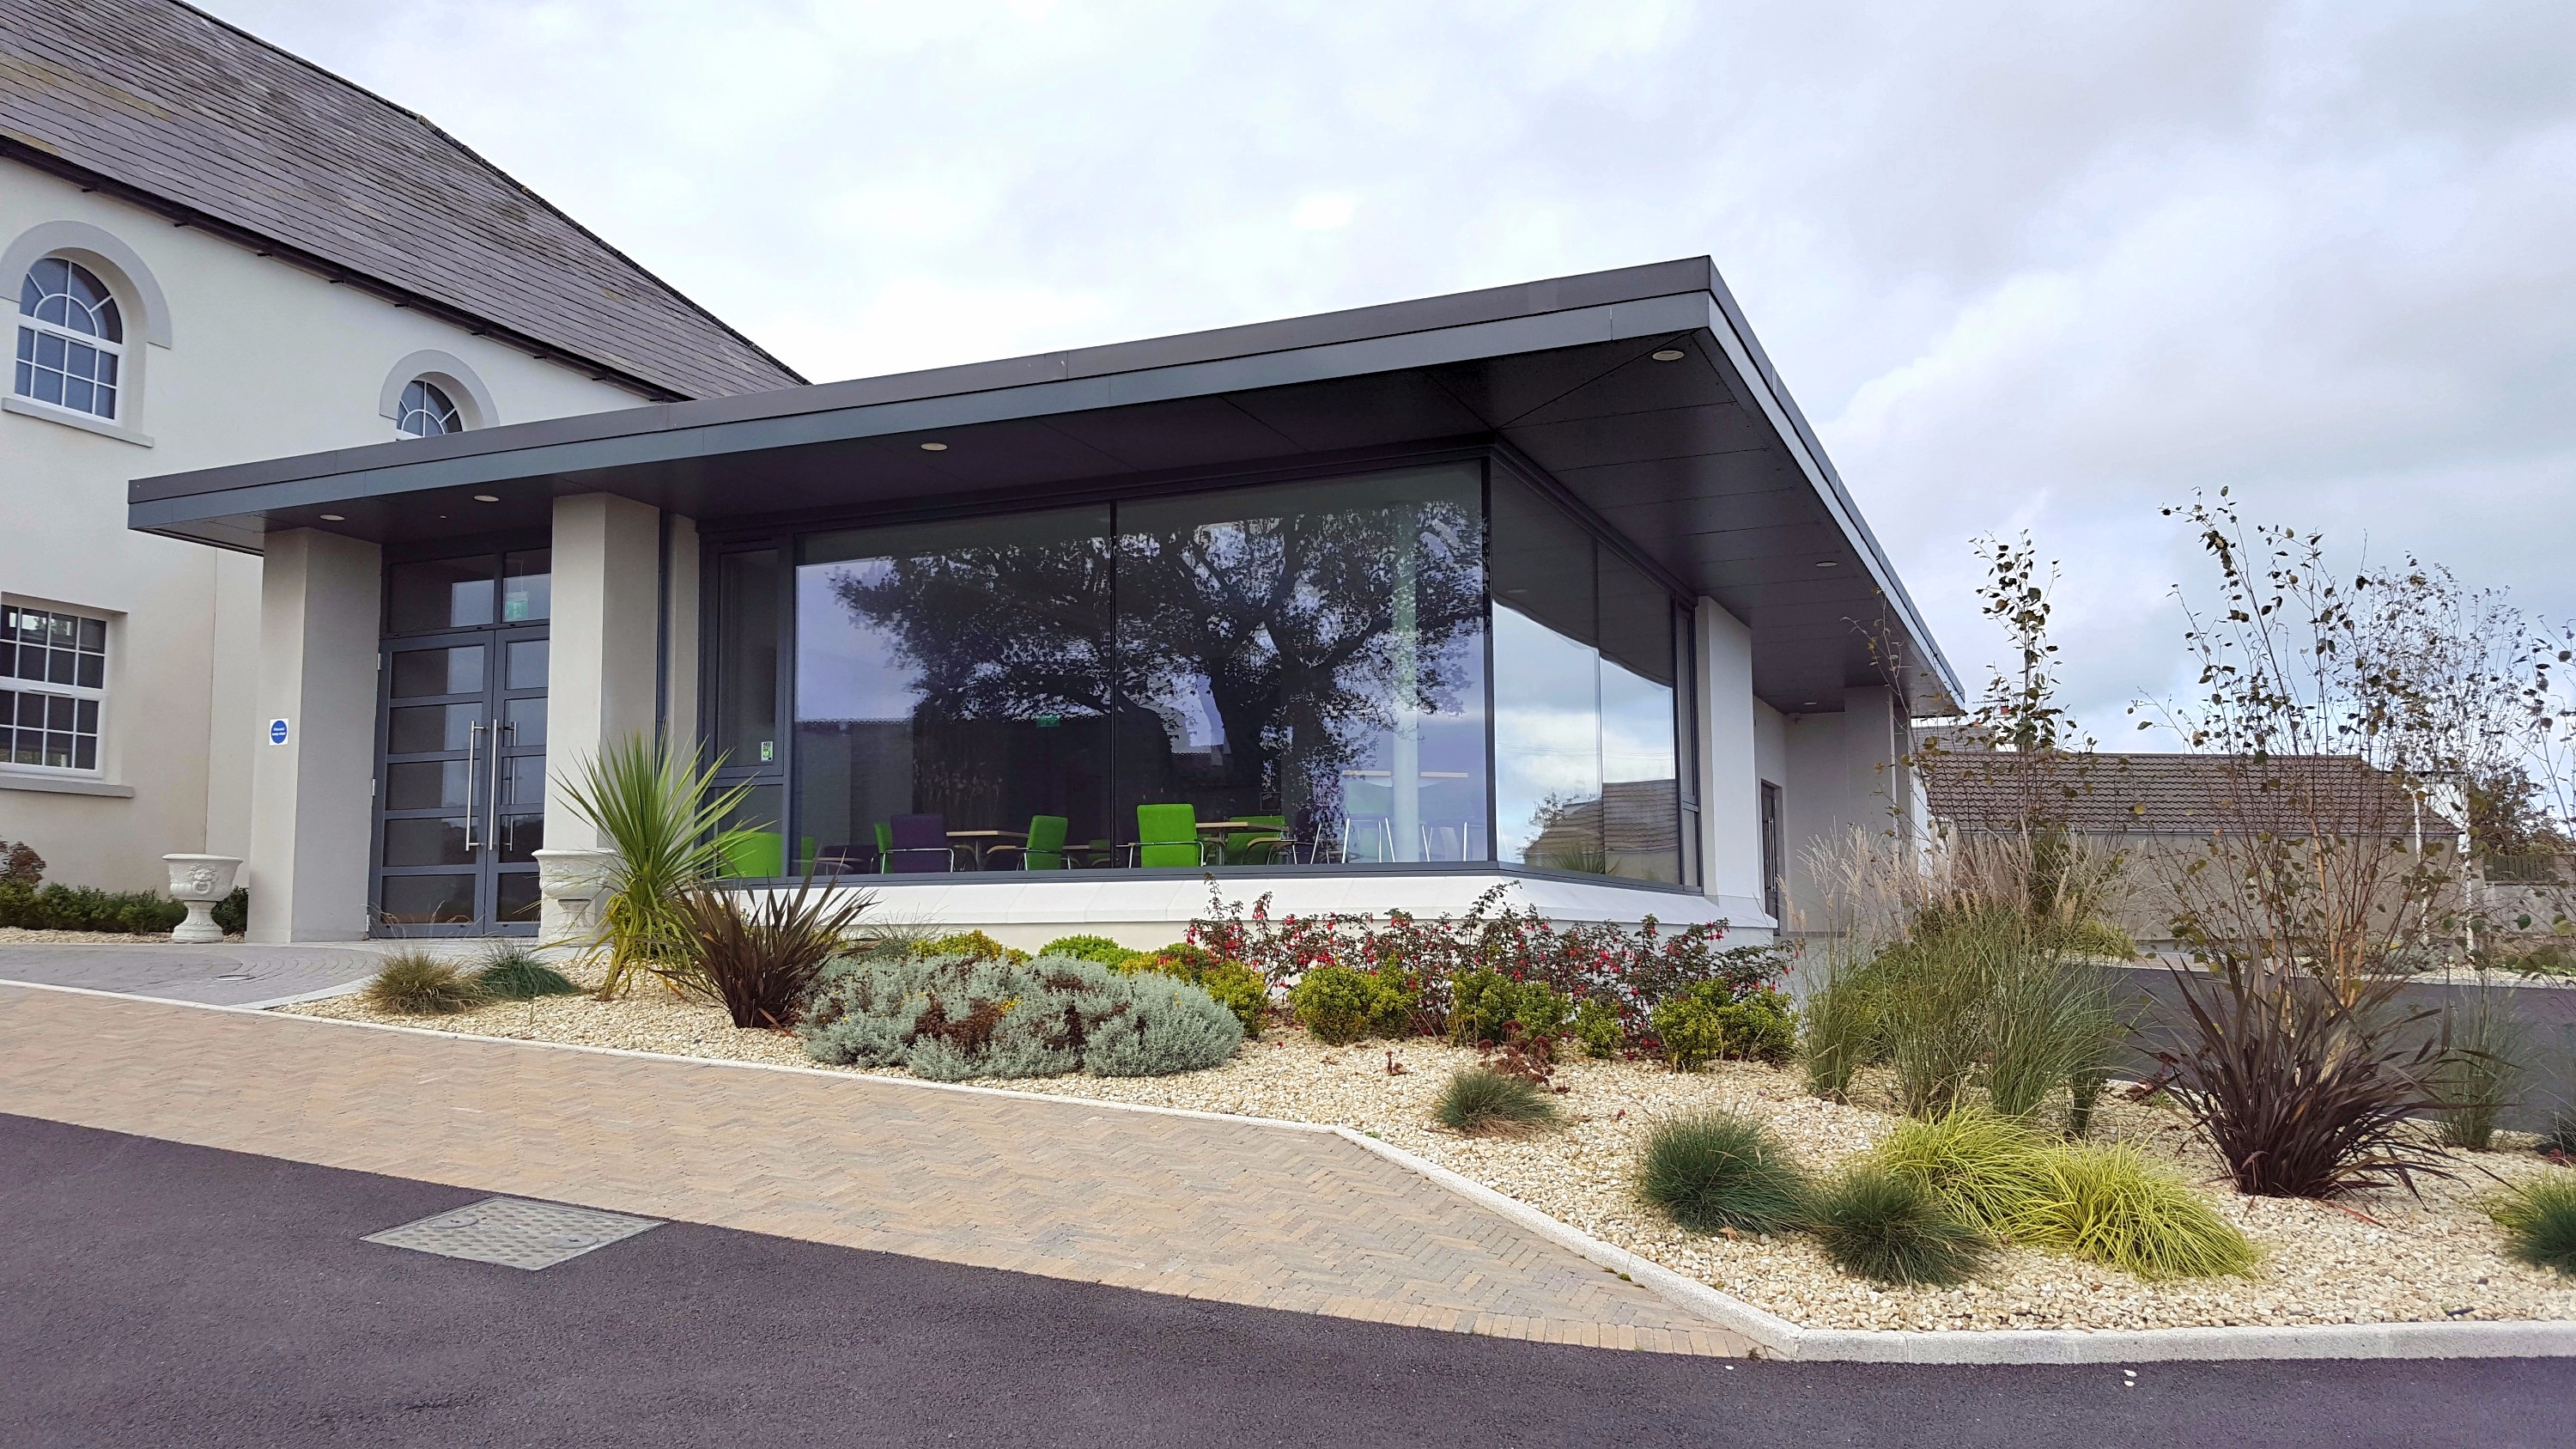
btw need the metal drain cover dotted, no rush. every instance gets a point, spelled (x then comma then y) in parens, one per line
(514, 1232)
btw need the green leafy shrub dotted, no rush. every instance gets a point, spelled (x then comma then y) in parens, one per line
(950, 1018)
(2539, 1220)
(1482, 1102)
(1088, 948)
(84, 908)
(2094, 936)
(973, 945)
(415, 983)
(232, 913)
(513, 973)
(1598, 1027)
(1717, 1171)
(2111, 1206)
(1891, 1229)
(1236, 987)
(1985, 1170)
(1485, 1006)
(1705, 1021)
(1341, 1005)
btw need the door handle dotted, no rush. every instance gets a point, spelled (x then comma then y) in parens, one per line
(492, 790)
(473, 739)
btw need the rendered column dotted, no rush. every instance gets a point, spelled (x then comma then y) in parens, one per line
(601, 660)
(313, 796)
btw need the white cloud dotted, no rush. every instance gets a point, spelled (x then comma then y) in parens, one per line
(2048, 266)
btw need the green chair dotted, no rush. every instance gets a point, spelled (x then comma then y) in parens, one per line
(1167, 835)
(1045, 850)
(1257, 847)
(754, 855)
(885, 847)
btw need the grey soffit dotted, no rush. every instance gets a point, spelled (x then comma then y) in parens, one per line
(163, 100)
(514, 1232)
(1701, 462)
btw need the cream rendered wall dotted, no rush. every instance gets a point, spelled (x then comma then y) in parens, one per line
(264, 360)
(1843, 772)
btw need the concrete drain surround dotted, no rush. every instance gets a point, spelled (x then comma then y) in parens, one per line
(515, 1232)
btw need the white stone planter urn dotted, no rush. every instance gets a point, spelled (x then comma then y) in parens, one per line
(197, 882)
(569, 884)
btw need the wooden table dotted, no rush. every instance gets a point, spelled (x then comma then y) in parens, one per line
(977, 840)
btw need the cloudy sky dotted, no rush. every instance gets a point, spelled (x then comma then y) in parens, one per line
(2044, 266)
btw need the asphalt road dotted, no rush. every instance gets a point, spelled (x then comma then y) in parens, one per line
(157, 1294)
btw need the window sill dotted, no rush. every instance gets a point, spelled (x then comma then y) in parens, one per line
(26, 407)
(61, 784)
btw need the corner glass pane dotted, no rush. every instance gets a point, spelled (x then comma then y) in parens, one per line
(747, 622)
(1305, 662)
(438, 594)
(1547, 685)
(958, 673)
(1640, 775)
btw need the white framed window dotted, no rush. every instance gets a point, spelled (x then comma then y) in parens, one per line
(427, 411)
(53, 688)
(71, 340)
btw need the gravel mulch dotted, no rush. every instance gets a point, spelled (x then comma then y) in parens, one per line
(22, 935)
(2382, 1258)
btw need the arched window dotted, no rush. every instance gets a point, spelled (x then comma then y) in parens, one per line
(426, 411)
(71, 339)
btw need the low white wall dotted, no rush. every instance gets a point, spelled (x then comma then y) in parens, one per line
(1148, 911)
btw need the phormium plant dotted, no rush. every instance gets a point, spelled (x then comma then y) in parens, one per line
(2304, 1086)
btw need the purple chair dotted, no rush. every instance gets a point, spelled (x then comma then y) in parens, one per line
(920, 845)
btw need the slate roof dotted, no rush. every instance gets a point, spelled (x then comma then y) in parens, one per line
(2143, 794)
(168, 105)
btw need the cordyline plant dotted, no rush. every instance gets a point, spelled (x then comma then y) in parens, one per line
(659, 810)
(1583, 960)
(2341, 714)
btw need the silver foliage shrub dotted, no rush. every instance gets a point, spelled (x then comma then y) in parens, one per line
(951, 1018)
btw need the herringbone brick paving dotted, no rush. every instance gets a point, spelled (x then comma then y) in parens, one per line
(1239, 1212)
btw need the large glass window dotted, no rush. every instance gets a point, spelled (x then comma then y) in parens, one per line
(1306, 662)
(1586, 758)
(960, 672)
(1289, 673)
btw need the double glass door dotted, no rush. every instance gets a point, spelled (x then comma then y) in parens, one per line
(461, 763)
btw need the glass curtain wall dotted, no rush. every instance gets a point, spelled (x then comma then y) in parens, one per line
(1302, 666)
(1305, 663)
(958, 671)
(1586, 651)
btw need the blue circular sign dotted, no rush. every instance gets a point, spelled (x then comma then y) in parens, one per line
(277, 732)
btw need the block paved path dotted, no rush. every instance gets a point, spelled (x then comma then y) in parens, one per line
(1235, 1211)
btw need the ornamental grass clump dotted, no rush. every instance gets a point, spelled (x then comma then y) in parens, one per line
(2485, 1050)
(1717, 1171)
(1987, 1170)
(2109, 1205)
(2539, 1220)
(415, 983)
(513, 973)
(1890, 1228)
(1482, 1102)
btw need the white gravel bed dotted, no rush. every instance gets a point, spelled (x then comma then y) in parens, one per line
(27, 936)
(2390, 1258)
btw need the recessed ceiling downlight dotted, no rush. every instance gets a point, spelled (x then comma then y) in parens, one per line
(934, 447)
(1828, 563)
(1668, 354)
(487, 498)
(335, 518)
